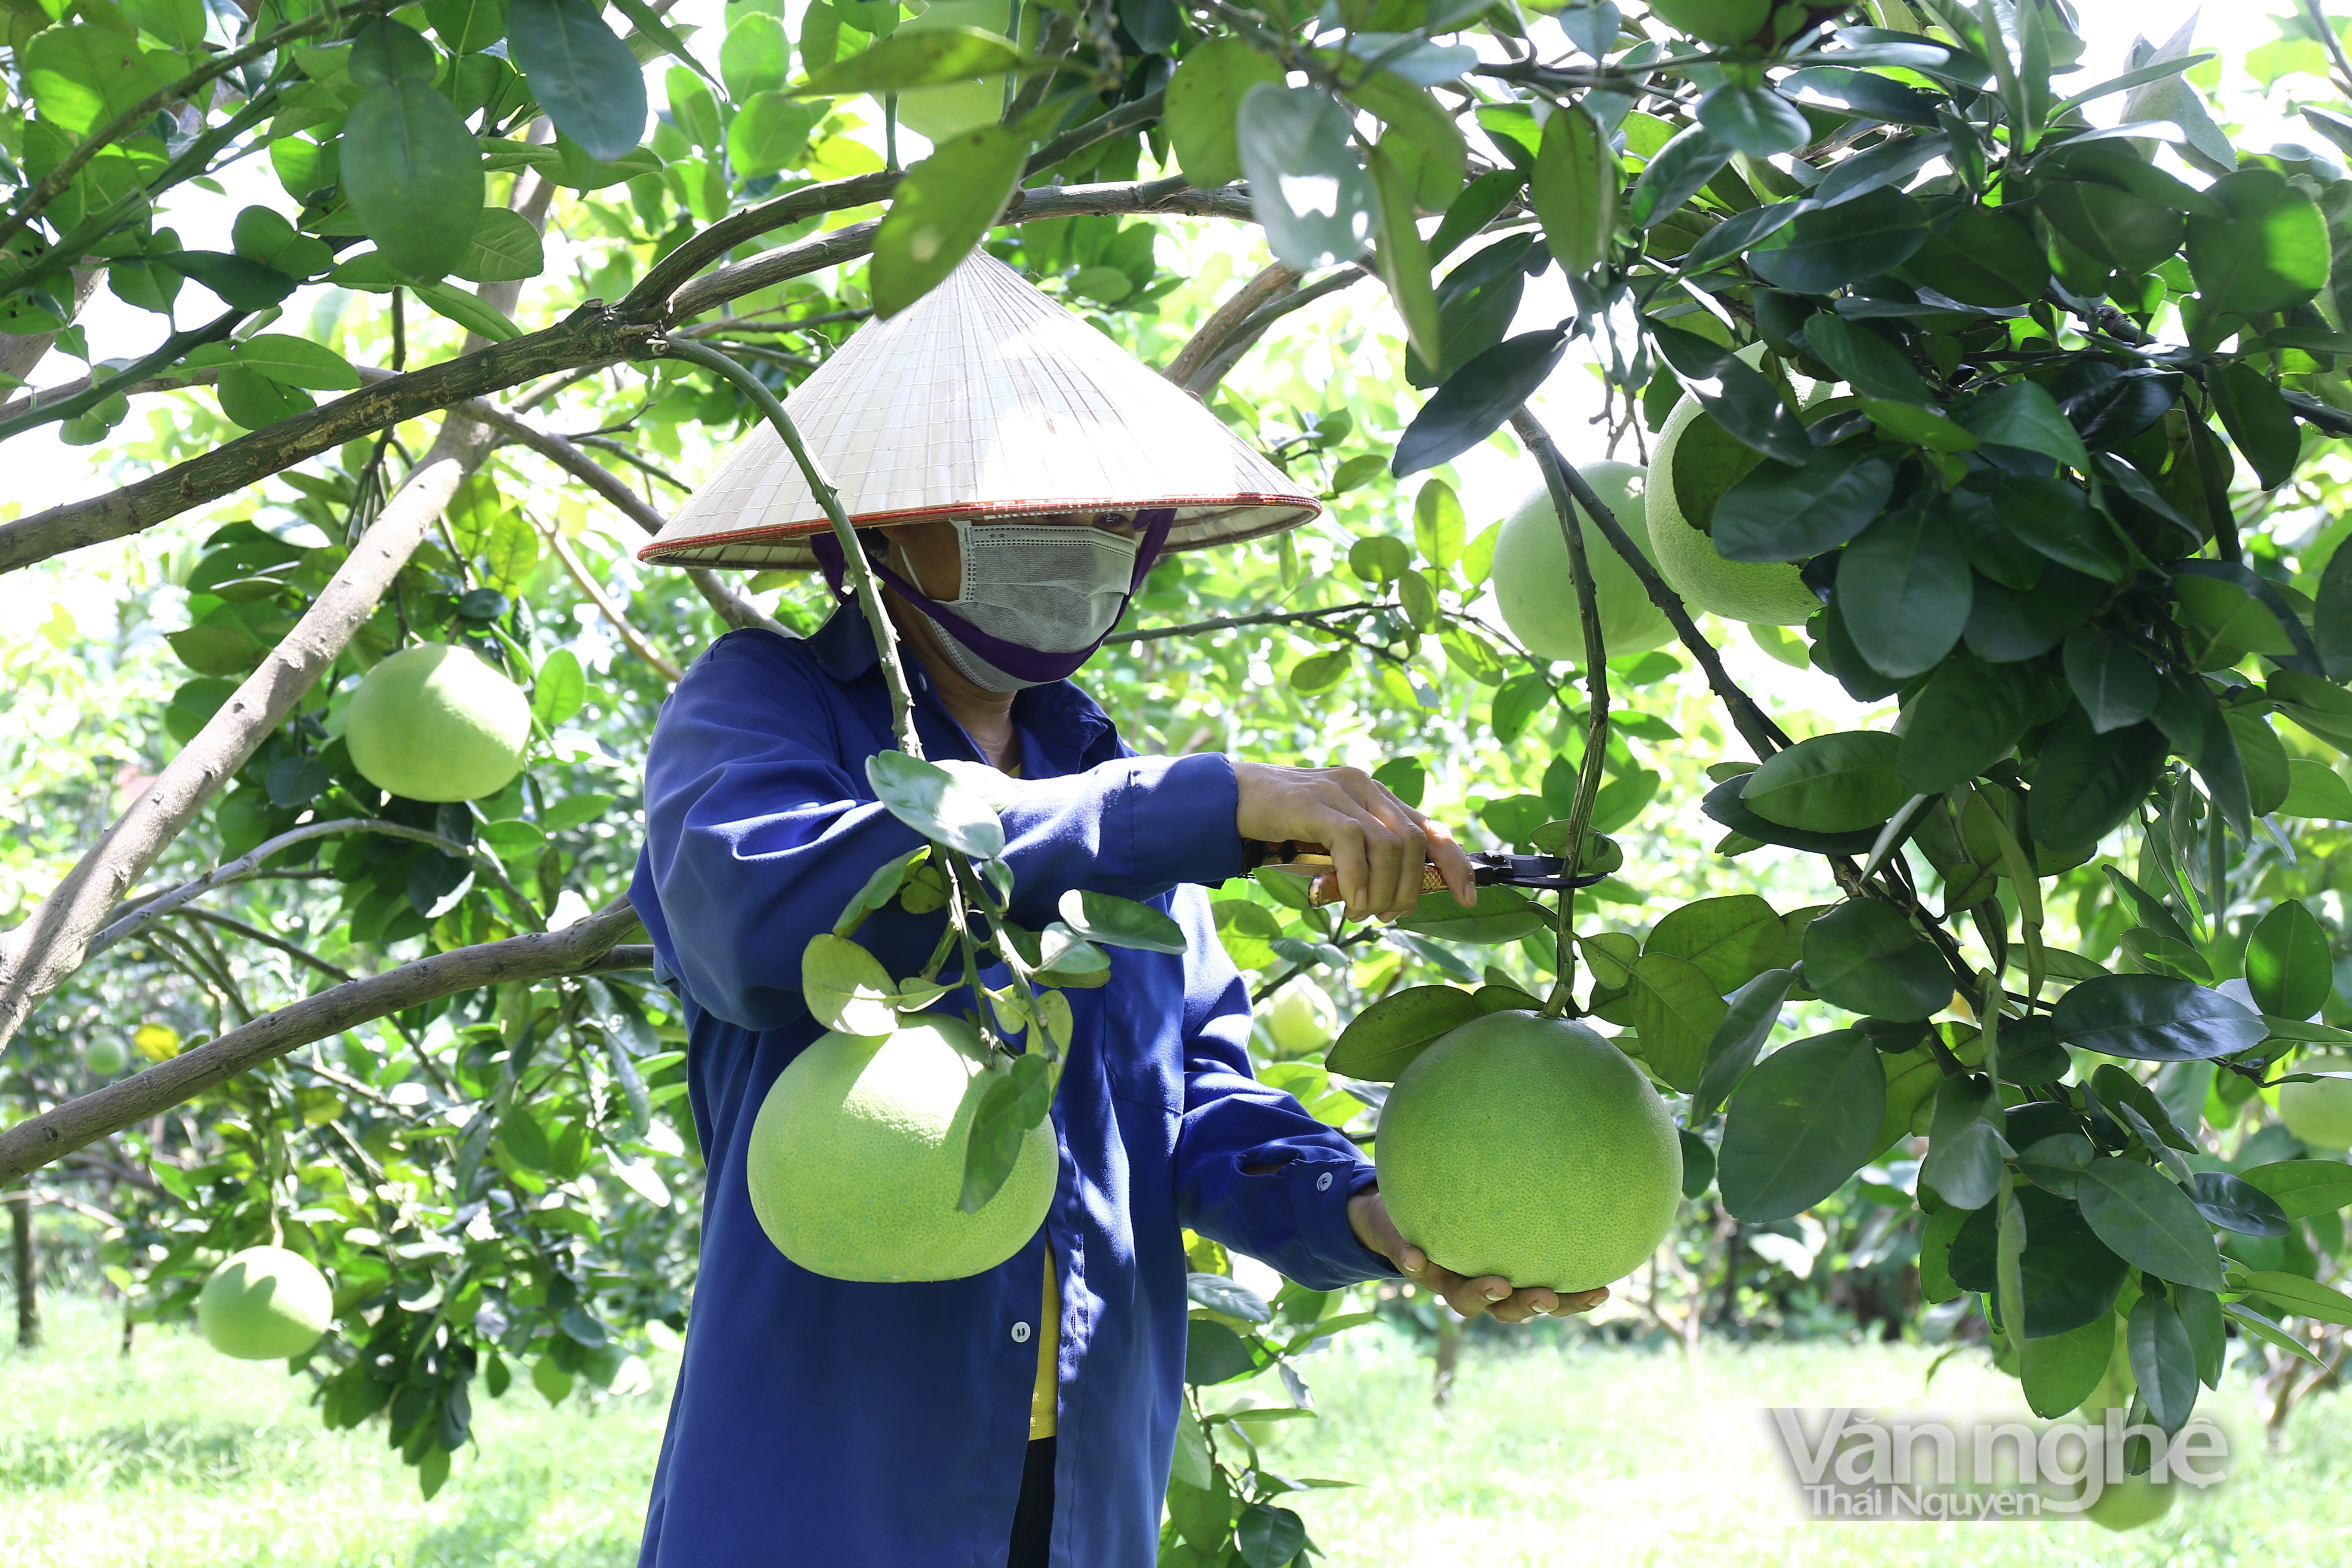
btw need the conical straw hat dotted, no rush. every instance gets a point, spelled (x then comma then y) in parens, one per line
(984, 399)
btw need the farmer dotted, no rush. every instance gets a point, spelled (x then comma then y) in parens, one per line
(1019, 474)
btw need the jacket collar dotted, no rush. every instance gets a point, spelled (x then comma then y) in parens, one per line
(1057, 713)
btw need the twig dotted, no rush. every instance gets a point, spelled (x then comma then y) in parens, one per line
(300, 954)
(1214, 334)
(639, 643)
(1265, 618)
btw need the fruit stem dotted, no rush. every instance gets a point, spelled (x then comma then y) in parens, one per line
(1564, 501)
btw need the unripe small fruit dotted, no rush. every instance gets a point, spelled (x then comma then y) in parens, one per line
(2320, 1113)
(105, 1056)
(1302, 1018)
(435, 722)
(265, 1304)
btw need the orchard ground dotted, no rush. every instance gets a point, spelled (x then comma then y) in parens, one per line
(1579, 1454)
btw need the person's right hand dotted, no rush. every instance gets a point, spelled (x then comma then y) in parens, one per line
(1379, 845)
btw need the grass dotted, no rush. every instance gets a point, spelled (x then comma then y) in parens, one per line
(1587, 1455)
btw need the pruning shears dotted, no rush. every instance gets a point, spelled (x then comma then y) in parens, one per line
(1487, 869)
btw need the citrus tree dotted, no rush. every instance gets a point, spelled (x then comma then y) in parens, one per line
(2024, 420)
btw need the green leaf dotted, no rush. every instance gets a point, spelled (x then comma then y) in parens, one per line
(2304, 1187)
(1121, 923)
(2332, 615)
(2024, 416)
(2289, 968)
(1964, 1150)
(2316, 790)
(1904, 588)
(560, 690)
(2120, 230)
(2260, 424)
(505, 249)
(2148, 1222)
(1501, 914)
(1380, 1041)
(1802, 1121)
(936, 804)
(468, 311)
(1203, 107)
(1747, 1024)
(581, 72)
(1573, 189)
(1967, 718)
(1731, 940)
(2234, 1203)
(412, 174)
(1476, 400)
(1983, 257)
(2155, 1019)
(1295, 143)
(1865, 957)
(2163, 1361)
(941, 210)
(2270, 253)
(770, 133)
(240, 281)
(1776, 512)
(1864, 359)
(1268, 1537)
(2113, 680)
(1481, 202)
(1017, 1098)
(295, 361)
(1437, 530)
(468, 26)
(1676, 1011)
(754, 57)
(2087, 783)
(82, 76)
(1674, 173)
(1823, 251)
(2060, 1371)
(1214, 1353)
(2053, 516)
(254, 401)
(2068, 1277)
(1839, 782)
(1753, 119)
(1403, 263)
(1422, 139)
(846, 988)
(880, 889)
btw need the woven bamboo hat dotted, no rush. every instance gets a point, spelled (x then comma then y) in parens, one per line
(984, 399)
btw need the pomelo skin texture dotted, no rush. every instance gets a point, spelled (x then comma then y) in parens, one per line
(857, 1161)
(1530, 1148)
(1767, 593)
(2319, 1113)
(265, 1304)
(1301, 1018)
(435, 722)
(1536, 591)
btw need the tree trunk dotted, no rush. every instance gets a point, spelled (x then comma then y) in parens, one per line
(1727, 1315)
(1449, 1356)
(28, 1265)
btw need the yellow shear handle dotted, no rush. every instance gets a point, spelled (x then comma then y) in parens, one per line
(1326, 888)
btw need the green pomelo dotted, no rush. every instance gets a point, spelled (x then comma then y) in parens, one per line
(2129, 1503)
(105, 1056)
(1714, 21)
(1302, 1018)
(954, 107)
(857, 1161)
(435, 722)
(2319, 1113)
(265, 1304)
(1530, 1148)
(1537, 592)
(1767, 593)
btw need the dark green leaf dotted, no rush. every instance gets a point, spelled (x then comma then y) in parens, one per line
(2069, 1277)
(2117, 229)
(1805, 1120)
(2236, 1204)
(2163, 1363)
(1501, 914)
(1699, 1163)
(2060, 1371)
(1674, 173)
(1573, 189)
(1476, 399)
(1297, 140)
(1214, 1353)
(2113, 680)
(1776, 512)
(2155, 1019)
(941, 210)
(1731, 939)
(1724, 806)
(414, 176)
(1904, 588)
(581, 72)
(1967, 718)
(1865, 957)
(505, 248)
(1864, 359)
(1964, 1150)
(2054, 517)
(1676, 1012)
(1864, 93)
(1120, 922)
(1869, 173)
(1384, 1039)
(1983, 257)
(1268, 1537)
(2006, 626)
(2260, 423)
(2332, 616)
(935, 804)
(1747, 1024)
(2304, 1187)
(1480, 202)
(1737, 396)
(2024, 416)
(1871, 234)
(1753, 119)
(1017, 1099)
(1840, 783)
(242, 283)
(2270, 253)
(2086, 783)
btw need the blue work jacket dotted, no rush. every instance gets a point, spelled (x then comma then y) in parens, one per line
(818, 1420)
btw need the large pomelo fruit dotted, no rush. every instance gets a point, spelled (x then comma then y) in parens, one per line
(2129, 1503)
(1302, 1018)
(435, 722)
(1537, 592)
(856, 1160)
(949, 108)
(265, 1304)
(2319, 1113)
(1531, 1148)
(1767, 593)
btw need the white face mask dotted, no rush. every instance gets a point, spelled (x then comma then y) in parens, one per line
(1046, 588)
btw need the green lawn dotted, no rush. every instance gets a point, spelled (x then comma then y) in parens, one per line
(1580, 1457)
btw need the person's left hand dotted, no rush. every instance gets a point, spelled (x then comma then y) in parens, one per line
(1367, 1215)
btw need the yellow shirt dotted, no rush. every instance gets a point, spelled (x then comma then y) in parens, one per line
(1043, 1397)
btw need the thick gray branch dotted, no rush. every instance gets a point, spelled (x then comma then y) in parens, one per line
(587, 948)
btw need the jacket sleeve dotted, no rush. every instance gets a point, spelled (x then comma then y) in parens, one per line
(759, 826)
(1294, 1216)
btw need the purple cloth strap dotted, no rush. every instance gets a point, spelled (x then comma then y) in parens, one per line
(1022, 663)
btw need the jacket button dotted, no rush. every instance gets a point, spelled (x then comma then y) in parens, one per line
(1020, 1334)
(1323, 1183)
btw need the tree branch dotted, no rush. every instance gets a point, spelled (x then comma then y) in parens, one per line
(586, 948)
(1263, 618)
(52, 941)
(639, 643)
(1273, 281)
